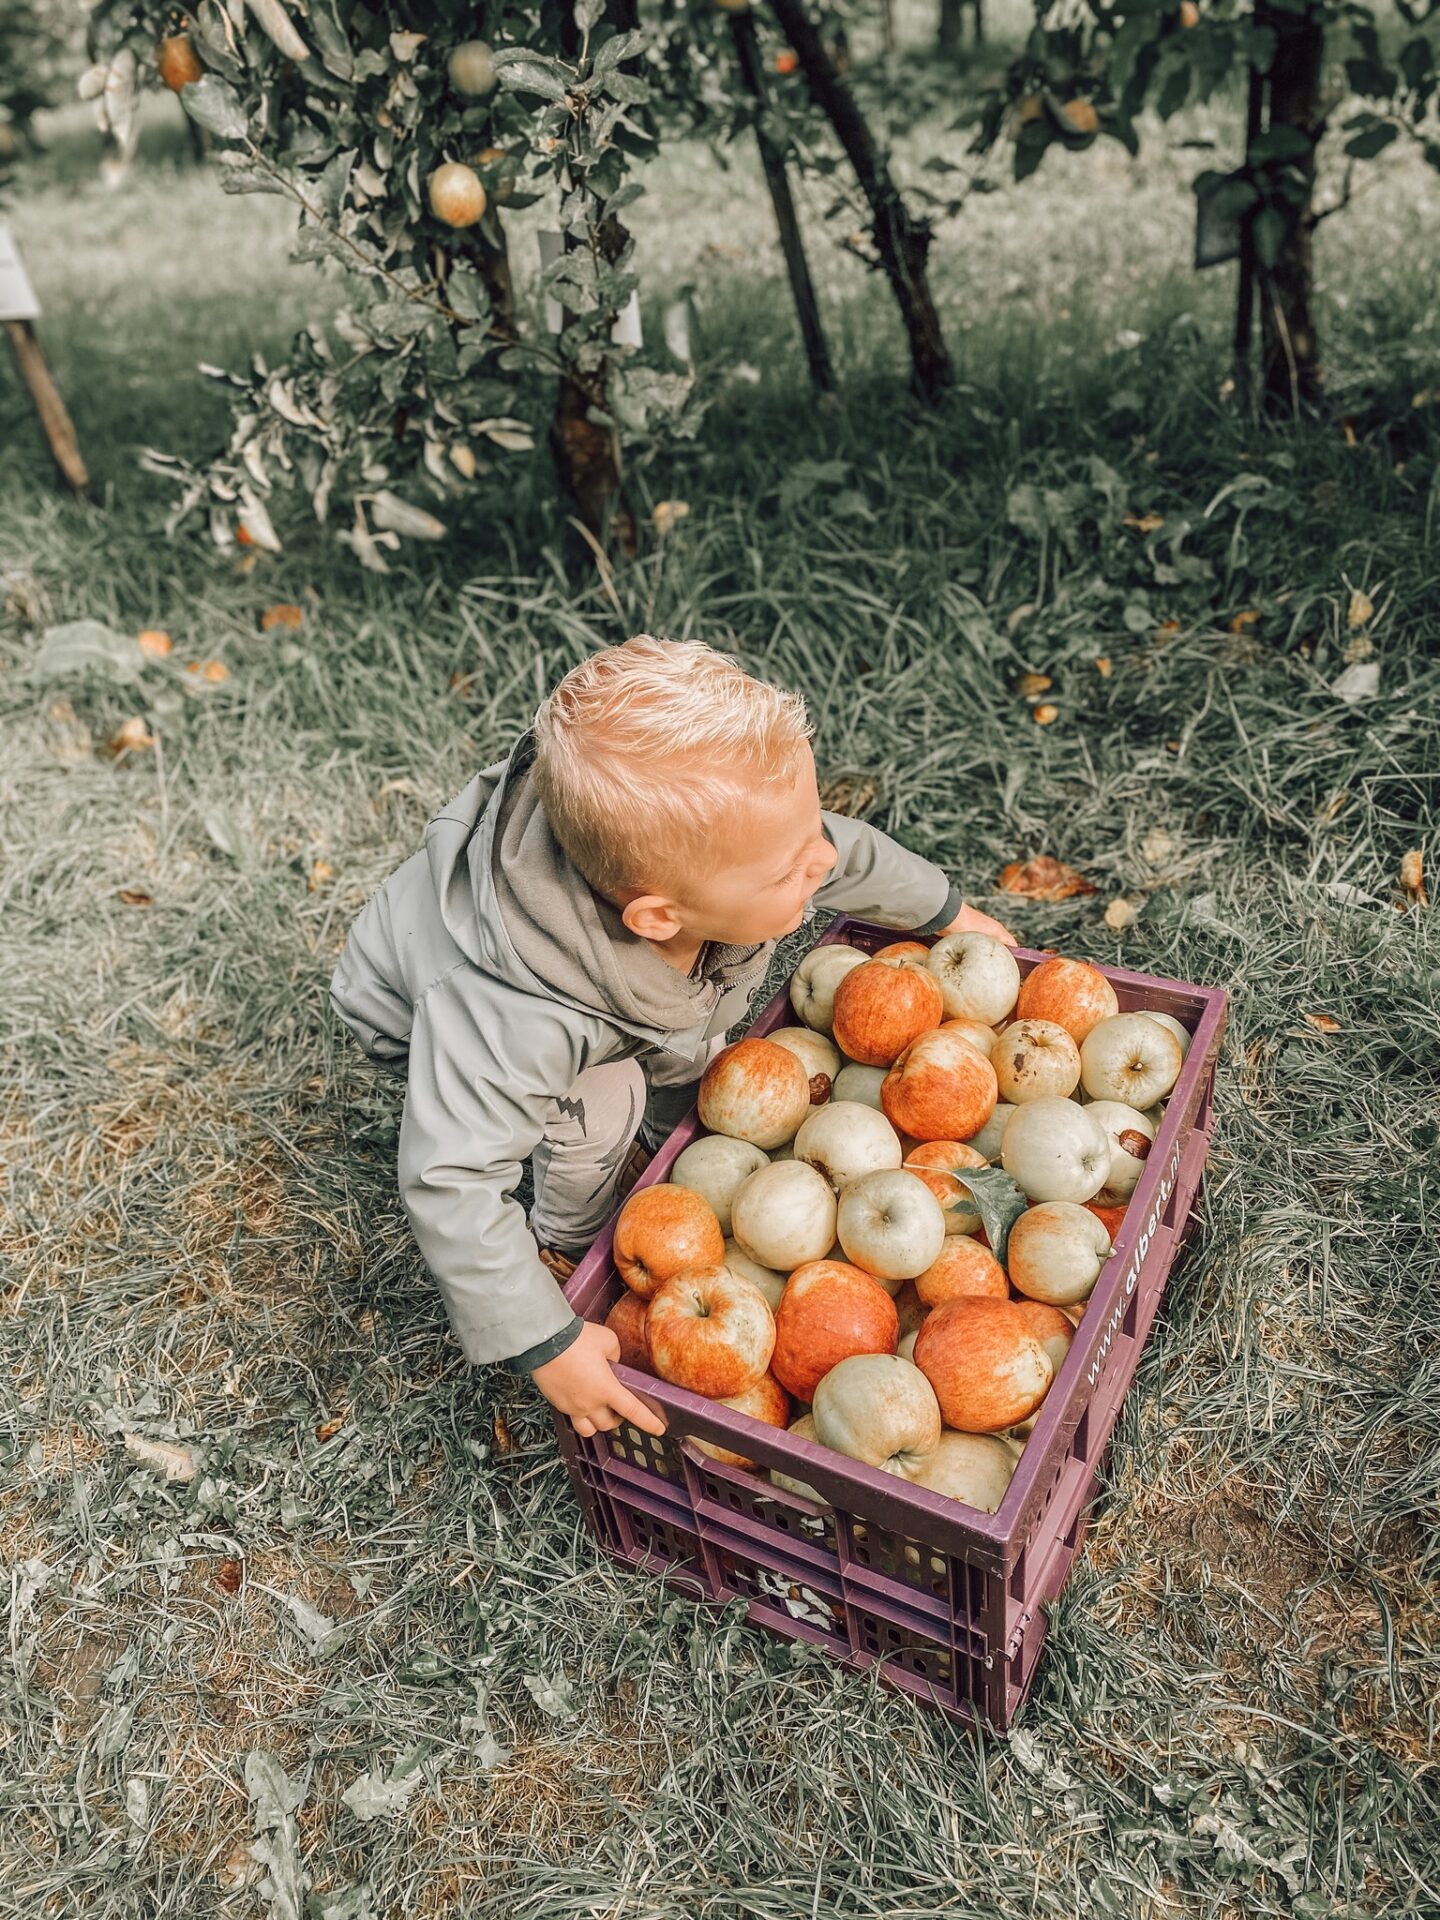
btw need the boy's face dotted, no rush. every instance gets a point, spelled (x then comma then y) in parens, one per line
(775, 857)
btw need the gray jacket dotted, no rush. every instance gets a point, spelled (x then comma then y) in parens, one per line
(432, 984)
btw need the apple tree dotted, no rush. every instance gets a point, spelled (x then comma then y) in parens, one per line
(1084, 73)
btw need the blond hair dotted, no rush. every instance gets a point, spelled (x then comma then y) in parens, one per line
(644, 750)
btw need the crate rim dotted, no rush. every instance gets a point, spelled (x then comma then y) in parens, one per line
(741, 1434)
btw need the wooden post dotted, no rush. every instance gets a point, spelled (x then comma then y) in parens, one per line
(817, 352)
(55, 421)
(1289, 348)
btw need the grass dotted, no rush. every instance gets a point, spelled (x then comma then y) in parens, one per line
(1236, 1709)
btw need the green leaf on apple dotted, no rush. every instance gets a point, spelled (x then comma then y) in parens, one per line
(1000, 1203)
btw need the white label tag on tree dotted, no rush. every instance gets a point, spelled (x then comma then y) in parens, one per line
(17, 296)
(626, 330)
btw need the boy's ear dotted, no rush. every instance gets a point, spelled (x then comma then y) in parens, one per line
(650, 916)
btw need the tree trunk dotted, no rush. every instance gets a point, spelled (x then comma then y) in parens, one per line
(952, 28)
(587, 454)
(1290, 352)
(902, 241)
(747, 51)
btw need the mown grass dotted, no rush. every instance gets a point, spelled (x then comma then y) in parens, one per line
(1236, 1712)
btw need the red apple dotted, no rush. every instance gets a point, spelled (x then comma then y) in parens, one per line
(878, 1408)
(910, 1308)
(662, 1231)
(626, 1320)
(988, 1370)
(941, 1164)
(981, 1038)
(766, 1401)
(1072, 993)
(881, 1007)
(1052, 1328)
(963, 1270)
(710, 1332)
(1108, 1216)
(940, 1088)
(755, 1091)
(828, 1311)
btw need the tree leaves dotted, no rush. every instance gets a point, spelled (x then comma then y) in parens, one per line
(85, 647)
(216, 106)
(999, 1202)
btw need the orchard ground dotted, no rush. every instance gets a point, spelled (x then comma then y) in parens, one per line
(1236, 1711)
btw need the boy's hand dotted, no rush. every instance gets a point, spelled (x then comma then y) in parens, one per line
(578, 1382)
(969, 921)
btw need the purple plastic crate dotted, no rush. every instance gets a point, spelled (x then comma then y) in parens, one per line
(947, 1601)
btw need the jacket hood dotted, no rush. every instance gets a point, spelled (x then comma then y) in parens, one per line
(517, 906)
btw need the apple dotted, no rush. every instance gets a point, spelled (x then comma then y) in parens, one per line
(1052, 1328)
(471, 69)
(828, 1311)
(878, 1408)
(1131, 1137)
(987, 1140)
(455, 194)
(1071, 993)
(801, 1429)
(963, 1269)
(818, 1055)
(981, 1038)
(661, 1231)
(988, 1370)
(770, 1283)
(1056, 1251)
(710, 1332)
(1035, 1060)
(978, 977)
(755, 1091)
(784, 1215)
(909, 1307)
(1108, 1216)
(907, 952)
(1130, 1058)
(626, 1320)
(1171, 1025)
(974, 1468)
(881, 1007)
(863, 1084)
(715, 1167)
(1054, 1150)
(813, 984)
(906, 1348)
(940, 1164)
(940, 1088)
(890, 1224)
(845, 1139)
(767, 1401)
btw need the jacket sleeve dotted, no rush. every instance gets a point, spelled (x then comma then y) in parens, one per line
(484, 1063)
(875, 878)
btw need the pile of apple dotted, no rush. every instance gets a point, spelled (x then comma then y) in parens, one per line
(818, 1250)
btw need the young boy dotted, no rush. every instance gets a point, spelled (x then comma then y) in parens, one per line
(555, 967)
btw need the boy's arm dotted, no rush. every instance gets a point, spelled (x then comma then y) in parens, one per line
(875, 878)
(484, 1062)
